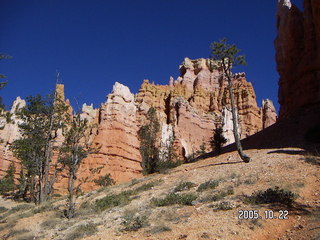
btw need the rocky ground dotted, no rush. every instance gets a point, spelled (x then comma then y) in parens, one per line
(214, 214)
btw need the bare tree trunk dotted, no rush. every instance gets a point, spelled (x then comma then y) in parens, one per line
(242, 155)
(32, 187)
(71, 205)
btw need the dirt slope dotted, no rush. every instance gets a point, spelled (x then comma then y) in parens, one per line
(204, 219)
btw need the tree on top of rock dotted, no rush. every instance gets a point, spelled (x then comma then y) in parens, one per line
(227, 56)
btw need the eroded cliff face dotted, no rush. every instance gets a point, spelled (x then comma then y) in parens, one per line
(298, 55)
(8, 133)
(269, 114)
(118, 141)
(189, 108)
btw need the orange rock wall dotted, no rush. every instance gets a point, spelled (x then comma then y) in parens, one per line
(189, 108)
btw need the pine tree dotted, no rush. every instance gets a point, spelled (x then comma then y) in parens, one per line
(41, 120)
(74, 149)
(7, 182)
(227, 57)
(218, 140)
(148, 135)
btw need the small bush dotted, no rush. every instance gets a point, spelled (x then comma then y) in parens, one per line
(211, 184)
(28, 237)
(83, 231)
(163, 166)
(20, 208)
(223, 206)
(26, 214)
(3, 209)
(218, 140)
(159, 229)
(114, 200)
(273, 195)
(18, 232)
(50, 223)
(7, 182)
(230, 191)
(148, 186)
(134, 182)
(219, 195)
(173, 198)
(133, 223)
(104, 181)
(182, 186)
(44, 208)
(234, 175)
(56, 195)
(249, 181)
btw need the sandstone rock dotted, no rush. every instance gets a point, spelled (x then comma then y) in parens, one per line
(189, 109)
(8, 134)
(117, 135)
(60, 91)
(298, 55)
(194, 104)
(11, 129)
(227, 126)
(269, 115)
(88, 112)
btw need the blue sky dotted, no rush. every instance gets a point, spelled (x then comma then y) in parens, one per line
(93, 43)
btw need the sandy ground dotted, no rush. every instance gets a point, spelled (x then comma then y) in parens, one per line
(285, 168)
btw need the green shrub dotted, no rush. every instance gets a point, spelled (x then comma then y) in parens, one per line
(163, 166)
(18, 232)
(148, 186)
(104, 181)
(133, 223)
(273, 195)
(249, 181)
(50, 223)
(218, 195)
(43, 208)
(28, 237)
(82, 231)
(223, 206)
(211, 184)
(234, 175)
(3, 209)
(217, 140)
(173, 198)
(148, 135)
(159, 229)
(114, 200)
(26, 214)
(182, 186)
(7, 182)
(134, 182)
(230, 191)
(20, 208)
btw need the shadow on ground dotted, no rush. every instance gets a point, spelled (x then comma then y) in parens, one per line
(289, 132)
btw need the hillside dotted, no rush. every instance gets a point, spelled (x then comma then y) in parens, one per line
(213, 215)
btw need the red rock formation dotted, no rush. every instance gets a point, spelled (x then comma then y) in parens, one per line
(117, 135)
(298, 55)
(189, 108)
(269, 115)
(8, 134)
(193, 105)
